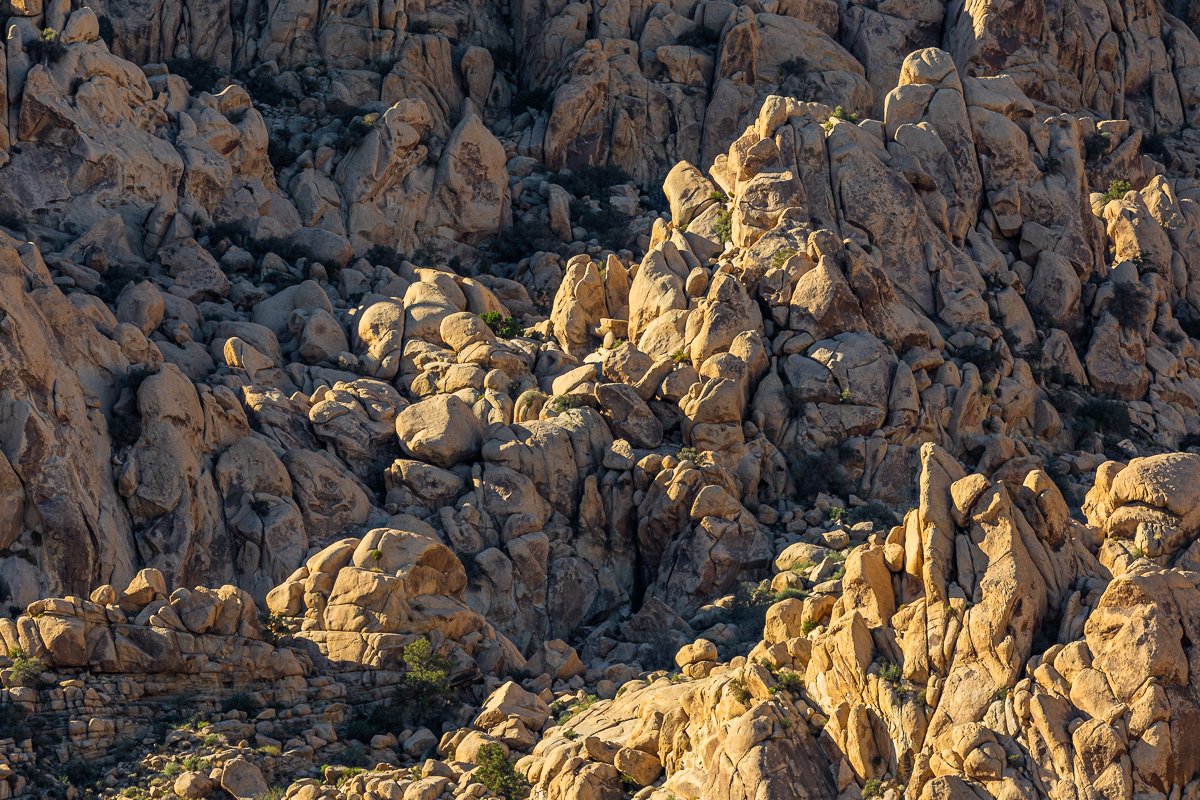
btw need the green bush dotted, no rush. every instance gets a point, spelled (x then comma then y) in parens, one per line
(497, 773)
(748, 611)
(80, 774)
(1131, 304)
(839, 113)
(788, 681)
(562, 402)
(563, 710)
(872, 788)
(781, 256)
(507, 327)
(47, 47)
(424, 696)
(356, 130)
(723, 227)
(890, 672)
(1117, 189)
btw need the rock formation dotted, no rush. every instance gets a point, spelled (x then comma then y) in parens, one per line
(707, 401)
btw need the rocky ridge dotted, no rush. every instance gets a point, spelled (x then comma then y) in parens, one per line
(814, 426)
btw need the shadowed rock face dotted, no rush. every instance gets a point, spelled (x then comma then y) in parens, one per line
(696, 401)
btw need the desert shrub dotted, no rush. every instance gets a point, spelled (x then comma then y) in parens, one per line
(740, 692)
(507, 327)
(839, 113)
(822, 472)
(875, 512)
(125, 427)
(14, 721)
(890, 672)
(281, 154)
(355, 131)
(523, 239)
(1131, 304)
(1095, 145)
(563, 710)
(563, 402)
(240, 702)
(609, 225)
(1117, 189)
(987, 359)
(497, 773)
(723, 227)
(1104, 416)
(424, 695)
(285, 248)
(47, 47)
(748, 611)
(275, 628)
(781, 256)
(201, 75)
(872, 788)
(788, 681)
(591, 180)
(701, 37)
(80, 774)
(1155, 146)
(384, 256)
(265, 88)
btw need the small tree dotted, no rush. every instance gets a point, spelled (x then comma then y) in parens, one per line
(424, 695)
(497, 773)
(26, 670)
